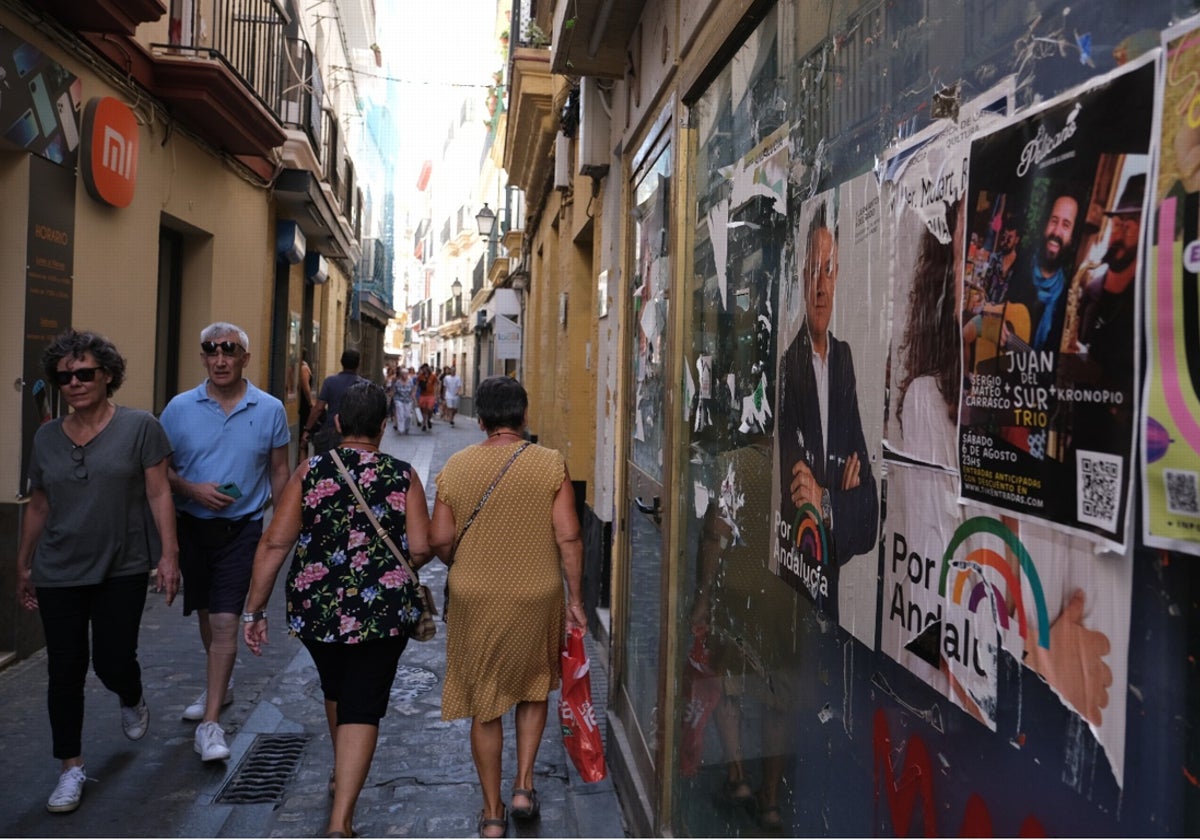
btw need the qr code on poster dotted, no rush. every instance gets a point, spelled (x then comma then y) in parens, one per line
(1098, 483)
(1183, 494)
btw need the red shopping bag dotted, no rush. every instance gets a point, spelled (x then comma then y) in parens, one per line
(701, 693)
(581, 734)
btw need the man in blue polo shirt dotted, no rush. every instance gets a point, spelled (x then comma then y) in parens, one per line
(230, 443)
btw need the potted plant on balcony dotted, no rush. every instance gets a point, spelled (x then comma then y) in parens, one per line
(535, 36)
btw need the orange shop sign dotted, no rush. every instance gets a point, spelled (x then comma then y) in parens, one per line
(110, 151)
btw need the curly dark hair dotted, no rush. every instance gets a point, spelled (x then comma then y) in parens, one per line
(74, 343)
(932, 344)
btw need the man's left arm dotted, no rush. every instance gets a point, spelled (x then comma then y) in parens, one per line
(854, 499)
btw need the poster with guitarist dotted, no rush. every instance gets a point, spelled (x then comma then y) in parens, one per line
(1050, 289)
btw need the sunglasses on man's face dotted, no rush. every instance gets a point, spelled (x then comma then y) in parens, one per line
(85, 374)
(228, 348)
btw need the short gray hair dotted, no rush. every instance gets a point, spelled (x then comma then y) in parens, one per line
(219, 328)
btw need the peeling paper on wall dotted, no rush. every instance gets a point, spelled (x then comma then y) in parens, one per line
(962, 588)
(718, 235)
(700, 497)
(763, 172)
(730, 502)
(756, 408)
(689, 393)
(704, 403)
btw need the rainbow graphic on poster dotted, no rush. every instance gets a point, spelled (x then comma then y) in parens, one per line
(972, 566)
(810, 534)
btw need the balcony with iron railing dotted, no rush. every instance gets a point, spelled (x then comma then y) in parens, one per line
(218, 68)
(527, 145)
(301, 109)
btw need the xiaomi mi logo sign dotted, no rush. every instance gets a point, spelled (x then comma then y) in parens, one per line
(109, 159)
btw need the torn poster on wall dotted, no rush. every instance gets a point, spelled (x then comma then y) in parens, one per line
(1049, 349)
(832, 338)
(925, 190)
(965, 591)
(1170, 431)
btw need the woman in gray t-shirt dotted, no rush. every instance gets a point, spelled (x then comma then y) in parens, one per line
(99, 518)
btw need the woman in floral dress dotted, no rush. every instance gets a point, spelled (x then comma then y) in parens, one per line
(349, 599)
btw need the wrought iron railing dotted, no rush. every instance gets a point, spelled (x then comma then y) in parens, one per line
(331, 151)
(247, 36)
(302, 93)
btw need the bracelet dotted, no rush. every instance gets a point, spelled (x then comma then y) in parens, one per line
(251, 617)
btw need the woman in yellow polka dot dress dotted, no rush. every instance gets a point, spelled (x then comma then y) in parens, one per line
(508, 558)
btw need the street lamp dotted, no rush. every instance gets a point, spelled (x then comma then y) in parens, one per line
(456, 288)
(456, 291)
(486, 221)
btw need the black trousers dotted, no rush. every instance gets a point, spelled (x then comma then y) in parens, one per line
(358, 677)
(112, 611)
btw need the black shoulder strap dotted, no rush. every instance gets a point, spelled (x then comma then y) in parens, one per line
(486, 494)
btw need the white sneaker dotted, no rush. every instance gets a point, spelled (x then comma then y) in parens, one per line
(135, 720)
(210, 742)
(196, 710)
(67, 792)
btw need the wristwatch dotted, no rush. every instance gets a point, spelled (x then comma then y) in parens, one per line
(827, 508)
(251, 617)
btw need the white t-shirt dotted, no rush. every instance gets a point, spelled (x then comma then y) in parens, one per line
(452, 384)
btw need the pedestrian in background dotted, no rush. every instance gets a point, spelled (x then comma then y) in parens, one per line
(389, 388)
(402, 401)
(321, 429)
(99, 518)
(329, 402)
(307, 400)
(350, 600)
(427, 394)
(231, 458)
(451, 385)
(504, 521)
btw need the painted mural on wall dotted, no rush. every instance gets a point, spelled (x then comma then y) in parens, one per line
(1170, 435)
(830, 420)
(1049, 350)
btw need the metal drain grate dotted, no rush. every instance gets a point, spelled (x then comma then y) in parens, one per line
(264, 774)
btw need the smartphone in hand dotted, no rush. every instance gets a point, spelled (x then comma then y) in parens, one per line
(230, 489)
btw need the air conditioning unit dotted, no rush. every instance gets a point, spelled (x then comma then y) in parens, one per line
(595, 127)
(562, 162)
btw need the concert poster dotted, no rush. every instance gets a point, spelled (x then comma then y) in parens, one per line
(1055, 203)
(1170, 432)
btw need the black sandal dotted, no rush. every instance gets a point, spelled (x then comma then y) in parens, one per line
(486, 823)
(535, 805)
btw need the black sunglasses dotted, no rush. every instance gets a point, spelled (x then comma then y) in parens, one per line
(63, 377)
(229, 348)
(77, 457)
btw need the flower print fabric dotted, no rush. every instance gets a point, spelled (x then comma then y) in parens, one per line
(344, 584)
